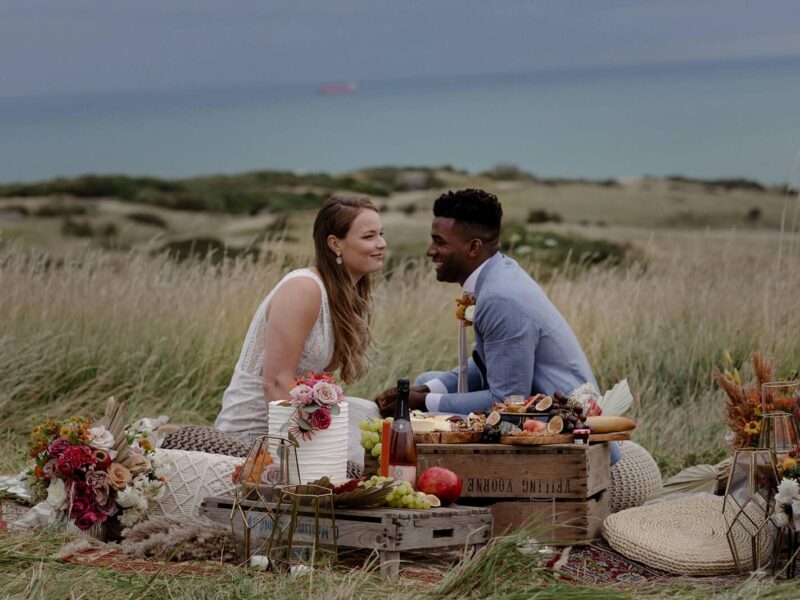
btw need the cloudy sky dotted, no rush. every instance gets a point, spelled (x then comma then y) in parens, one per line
(68, 46)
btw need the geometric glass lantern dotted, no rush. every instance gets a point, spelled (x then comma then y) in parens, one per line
(303, 528)
(748, 506)
(271, 463)
(778, 434)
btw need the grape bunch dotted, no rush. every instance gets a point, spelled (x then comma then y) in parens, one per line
(401, 495)
(568, 411)
(404, 496)
(371, 433)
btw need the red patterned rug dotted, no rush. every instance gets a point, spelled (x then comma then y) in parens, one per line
(599, 564)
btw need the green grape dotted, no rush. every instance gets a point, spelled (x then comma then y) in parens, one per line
(363, 425)
(375, 437)
(376, 450)
(376, 425)
(369, 445)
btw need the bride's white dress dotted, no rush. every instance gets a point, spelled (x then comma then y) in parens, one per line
(244, 409)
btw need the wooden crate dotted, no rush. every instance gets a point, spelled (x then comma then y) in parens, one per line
(563, 486)
(564, 471)
(390, 531)
(561, 521)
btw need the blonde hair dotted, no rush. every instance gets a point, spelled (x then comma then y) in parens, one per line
(351, 305)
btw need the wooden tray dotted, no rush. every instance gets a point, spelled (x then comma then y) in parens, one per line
(536, 440)
(448, 437)
(617, 436)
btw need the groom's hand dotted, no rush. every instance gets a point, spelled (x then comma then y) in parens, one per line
(386, 402)
(416, 397)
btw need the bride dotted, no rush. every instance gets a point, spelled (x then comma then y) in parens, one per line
(315, 319)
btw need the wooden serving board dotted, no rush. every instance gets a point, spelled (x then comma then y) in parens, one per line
(617, 436)
(535, 440)
(448, 437)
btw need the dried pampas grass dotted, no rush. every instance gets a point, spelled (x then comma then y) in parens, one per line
(179, 539)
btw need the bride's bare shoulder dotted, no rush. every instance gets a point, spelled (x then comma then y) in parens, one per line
(300, 291)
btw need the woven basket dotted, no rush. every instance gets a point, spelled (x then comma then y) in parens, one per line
(200, 438)
(633, 478)
(685, 536)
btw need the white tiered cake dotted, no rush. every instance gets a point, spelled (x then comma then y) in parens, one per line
(325, 454)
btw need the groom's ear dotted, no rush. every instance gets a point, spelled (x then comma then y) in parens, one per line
(474, 248)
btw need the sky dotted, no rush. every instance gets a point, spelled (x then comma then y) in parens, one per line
(86, 46)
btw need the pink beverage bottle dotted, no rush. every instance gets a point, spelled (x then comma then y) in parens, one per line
(402, 448)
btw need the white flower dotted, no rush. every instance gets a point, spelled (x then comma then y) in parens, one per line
(101, 438)
(788, 489)
(469, 313)
(130, 517)
(57, 494)
(780, 518)
(129, 497)
(327, 393)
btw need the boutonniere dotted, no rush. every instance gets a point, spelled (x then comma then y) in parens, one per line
(465, 309)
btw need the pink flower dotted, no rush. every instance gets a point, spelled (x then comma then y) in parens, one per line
(327, 393)
(74, 458)
(57, 446)
(301, 395)
(319, 419)
(98, 481)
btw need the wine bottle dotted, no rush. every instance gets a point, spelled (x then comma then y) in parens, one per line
(402, 449)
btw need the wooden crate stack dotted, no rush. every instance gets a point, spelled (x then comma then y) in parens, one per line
(563, 486)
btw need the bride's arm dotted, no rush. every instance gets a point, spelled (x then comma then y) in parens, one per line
(291, 315)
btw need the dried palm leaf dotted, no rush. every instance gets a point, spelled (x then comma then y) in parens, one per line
(114, 421)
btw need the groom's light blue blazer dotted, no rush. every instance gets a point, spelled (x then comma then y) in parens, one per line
(527, 347)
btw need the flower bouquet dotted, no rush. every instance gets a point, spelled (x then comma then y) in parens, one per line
(745, 406)
(316, 399)
(91, 472)
(787, 500)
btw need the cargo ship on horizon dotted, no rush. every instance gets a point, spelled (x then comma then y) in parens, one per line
(334, 89)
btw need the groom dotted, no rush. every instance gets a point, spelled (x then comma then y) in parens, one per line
(522, 343)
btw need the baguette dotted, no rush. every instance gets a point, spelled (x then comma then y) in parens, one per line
(610, 424)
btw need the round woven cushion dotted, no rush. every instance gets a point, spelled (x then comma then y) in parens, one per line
(634, 477)
(190, 478)
(685, 536)
(205, 439)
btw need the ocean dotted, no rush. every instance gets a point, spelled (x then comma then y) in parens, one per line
(715, 120)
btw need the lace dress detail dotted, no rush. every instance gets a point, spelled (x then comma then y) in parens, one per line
(244, 409)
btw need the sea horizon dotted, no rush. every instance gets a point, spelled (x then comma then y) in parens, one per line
(711, 120)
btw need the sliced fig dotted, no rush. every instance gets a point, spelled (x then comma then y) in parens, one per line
(544, 404)
(493, 419)
(555, 425)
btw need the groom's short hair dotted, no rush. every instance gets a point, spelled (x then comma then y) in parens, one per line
(478, 210)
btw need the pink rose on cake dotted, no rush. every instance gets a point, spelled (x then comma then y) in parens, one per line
(302, 394)
(327, 393)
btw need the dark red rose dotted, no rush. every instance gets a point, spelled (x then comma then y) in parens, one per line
(86, 520)
(74, 458)
(320, 419)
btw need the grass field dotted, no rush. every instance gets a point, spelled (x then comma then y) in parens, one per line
(82, 322)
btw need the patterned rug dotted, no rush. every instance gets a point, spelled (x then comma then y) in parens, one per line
(599, 564)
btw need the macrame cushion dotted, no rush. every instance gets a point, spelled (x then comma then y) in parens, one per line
(634, 477)
(205, 439)
(685, 536)
(191, 477)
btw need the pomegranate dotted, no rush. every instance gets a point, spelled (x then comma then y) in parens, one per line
(442, 483)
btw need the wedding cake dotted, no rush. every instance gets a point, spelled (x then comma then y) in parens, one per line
(324, 454)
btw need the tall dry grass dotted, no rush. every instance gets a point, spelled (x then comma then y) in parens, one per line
(165, 336)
